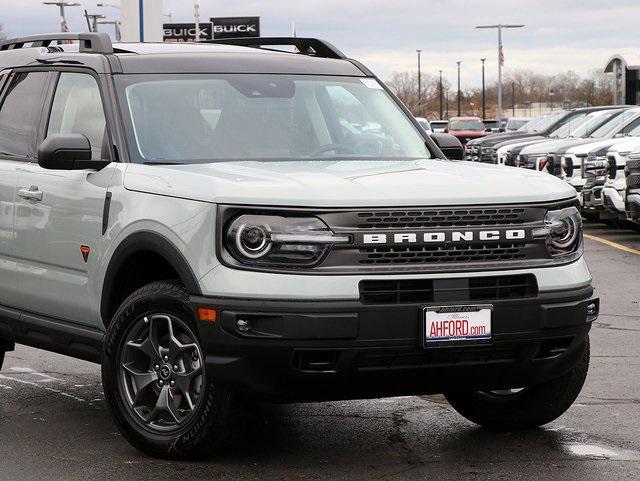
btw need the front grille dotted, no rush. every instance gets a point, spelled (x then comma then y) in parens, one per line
(382, 253)
(440, 218)
(443, 254)
(408, 291)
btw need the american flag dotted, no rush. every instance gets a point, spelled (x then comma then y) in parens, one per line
(501, 56)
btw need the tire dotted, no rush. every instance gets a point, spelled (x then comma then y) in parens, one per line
(633, 181)
(633, 165)
(531, 407)
(172, 421)
(1, 359)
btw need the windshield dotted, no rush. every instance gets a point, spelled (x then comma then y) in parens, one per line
(620, 124)
(586, 125)
(515, 124)
(189, 118)
(424, 123)
(466, 124)
(546, 122)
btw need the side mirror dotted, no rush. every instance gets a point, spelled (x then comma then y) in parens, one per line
(449, 145)
(568, 167)
(67, 152)
(612, 168)
(554, 165)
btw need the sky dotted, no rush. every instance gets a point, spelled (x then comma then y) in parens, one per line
(559, 35)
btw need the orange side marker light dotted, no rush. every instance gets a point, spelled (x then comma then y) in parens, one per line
(85, 252)
(207, 314)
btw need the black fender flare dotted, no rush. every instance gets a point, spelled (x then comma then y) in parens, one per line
(139, 242)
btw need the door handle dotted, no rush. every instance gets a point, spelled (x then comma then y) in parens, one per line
(31, 193)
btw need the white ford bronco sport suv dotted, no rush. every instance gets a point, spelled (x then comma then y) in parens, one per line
(229, 221)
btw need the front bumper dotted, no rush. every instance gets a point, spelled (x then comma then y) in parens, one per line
(323, 350)
(632, 205)
(613, 200)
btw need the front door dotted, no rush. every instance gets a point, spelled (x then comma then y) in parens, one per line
(58, 224)
(20, 114)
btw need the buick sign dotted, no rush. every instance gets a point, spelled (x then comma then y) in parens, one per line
(234, 27)
(186, 32)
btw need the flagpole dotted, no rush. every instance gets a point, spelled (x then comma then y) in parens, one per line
(500, 61)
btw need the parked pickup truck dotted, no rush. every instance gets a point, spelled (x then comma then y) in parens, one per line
(466, 128)
(632, 198)
(224, 222)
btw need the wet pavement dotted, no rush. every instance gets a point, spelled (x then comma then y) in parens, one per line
(54, 423)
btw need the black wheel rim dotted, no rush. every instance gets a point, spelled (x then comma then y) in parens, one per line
(161, 372)
(503, 393)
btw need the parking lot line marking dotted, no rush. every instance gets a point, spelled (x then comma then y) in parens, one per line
(615, 245)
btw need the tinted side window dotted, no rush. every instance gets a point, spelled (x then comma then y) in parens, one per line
(20, 114)
(77, 109)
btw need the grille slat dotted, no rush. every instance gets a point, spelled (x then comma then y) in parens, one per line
(440, 218)
(405, 291)
(439, 254)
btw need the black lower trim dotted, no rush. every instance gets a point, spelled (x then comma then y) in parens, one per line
(316, 350)
(50, 334)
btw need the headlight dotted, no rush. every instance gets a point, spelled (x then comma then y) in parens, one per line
(270, 240)
(562, 232)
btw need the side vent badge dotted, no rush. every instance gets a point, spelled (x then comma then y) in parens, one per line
(85, 252)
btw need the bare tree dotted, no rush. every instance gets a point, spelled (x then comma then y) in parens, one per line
(563, 89)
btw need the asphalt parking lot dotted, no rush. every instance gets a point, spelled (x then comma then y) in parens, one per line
(55, 425)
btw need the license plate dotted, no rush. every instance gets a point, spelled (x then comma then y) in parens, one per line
(457, 325)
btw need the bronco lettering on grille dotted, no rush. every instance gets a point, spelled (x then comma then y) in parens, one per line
(444, 236)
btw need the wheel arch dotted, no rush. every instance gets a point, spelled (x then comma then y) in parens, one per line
(138, 244)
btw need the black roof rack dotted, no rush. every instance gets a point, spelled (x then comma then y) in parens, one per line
(90, 42)
(306, 46)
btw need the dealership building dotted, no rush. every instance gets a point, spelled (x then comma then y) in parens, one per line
(626, 80)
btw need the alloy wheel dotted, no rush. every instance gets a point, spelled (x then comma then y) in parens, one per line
(161, 372)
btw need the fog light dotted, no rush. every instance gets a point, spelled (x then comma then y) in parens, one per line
(592, 309)
(243, 325)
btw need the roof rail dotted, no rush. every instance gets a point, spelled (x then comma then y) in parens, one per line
(90, 42)
(306, 46)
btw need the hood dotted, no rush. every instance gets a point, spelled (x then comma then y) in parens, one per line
(593, 146)
(517, 147)
(555, 146)
(348, 183)
(518, 140)
(626, 145)
(498, 140)
(468, 133)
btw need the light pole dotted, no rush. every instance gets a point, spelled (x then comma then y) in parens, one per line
(116, 26)
(196, 17)
(108, 5)
(513, 99)
(484, 105)
(499, 27)
(63, 21)
(419, 85)
(441, 95)
(459, 62)
(93, 18)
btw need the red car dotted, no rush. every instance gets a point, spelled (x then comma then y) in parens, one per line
(466, 128)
